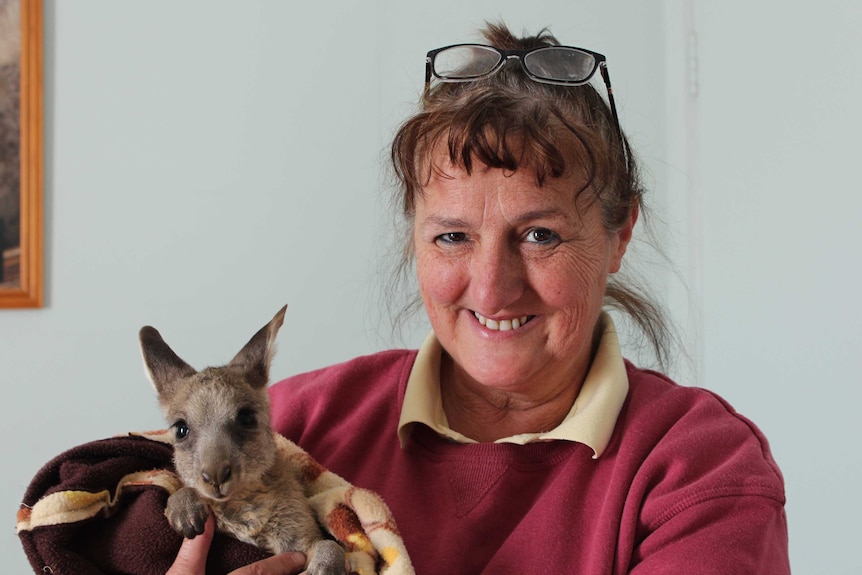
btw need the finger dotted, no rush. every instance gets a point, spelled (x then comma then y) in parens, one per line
(284, 564)
(192, 557)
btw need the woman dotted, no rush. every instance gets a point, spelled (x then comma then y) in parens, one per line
(517, 439)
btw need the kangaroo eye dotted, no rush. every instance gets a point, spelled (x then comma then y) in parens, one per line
(181, 430)
(246, 418)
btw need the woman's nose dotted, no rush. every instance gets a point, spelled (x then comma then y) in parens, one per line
(497, 277)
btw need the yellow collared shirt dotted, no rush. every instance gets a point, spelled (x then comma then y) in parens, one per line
(590, 421)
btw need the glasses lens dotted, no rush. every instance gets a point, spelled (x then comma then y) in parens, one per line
(465, 62)
(561, 64)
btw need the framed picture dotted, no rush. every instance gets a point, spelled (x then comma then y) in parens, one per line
(21, 141)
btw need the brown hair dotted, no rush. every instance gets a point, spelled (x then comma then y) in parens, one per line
(510, 121)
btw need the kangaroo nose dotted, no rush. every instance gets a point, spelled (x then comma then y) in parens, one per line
(218, 476)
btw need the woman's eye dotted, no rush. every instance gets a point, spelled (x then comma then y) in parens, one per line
(452, 237)
(542, 236)
(181, 430)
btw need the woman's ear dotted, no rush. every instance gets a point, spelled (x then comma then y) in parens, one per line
(621, 238)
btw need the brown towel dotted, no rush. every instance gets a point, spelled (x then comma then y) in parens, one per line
(99, 508)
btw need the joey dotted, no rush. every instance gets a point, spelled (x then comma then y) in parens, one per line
(225, 452)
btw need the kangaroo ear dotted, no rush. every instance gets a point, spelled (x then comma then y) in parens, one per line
(257, 354)
(162, 365)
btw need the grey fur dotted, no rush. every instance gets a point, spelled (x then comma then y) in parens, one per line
(225, 452)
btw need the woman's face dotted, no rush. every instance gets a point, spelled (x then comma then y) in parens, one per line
(513, 275)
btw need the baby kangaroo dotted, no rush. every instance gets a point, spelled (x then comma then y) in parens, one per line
(225, 452)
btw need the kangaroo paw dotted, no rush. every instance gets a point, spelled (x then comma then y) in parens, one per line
(326, 558)
(187, 513)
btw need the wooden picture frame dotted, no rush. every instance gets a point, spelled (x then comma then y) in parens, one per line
(21, 283)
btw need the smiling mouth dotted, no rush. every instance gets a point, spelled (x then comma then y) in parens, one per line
(503, 324)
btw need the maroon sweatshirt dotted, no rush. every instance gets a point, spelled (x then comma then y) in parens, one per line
(686, 485)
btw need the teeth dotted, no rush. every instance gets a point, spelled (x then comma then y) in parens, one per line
(503, 324)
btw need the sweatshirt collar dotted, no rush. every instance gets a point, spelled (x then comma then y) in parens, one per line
(590, 421)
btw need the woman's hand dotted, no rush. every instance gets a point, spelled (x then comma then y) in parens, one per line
(192, 558)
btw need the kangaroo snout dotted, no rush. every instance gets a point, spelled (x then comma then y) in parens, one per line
(218, 478)
(217, 470)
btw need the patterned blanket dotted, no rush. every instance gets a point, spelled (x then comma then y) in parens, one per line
(99, 508)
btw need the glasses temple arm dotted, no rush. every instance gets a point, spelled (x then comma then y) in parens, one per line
(427, 76)
(606, 76)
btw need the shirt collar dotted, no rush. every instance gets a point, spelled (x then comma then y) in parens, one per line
(591, 420)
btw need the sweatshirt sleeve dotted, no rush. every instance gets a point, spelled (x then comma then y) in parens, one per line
(739, 534)
(710, 495)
